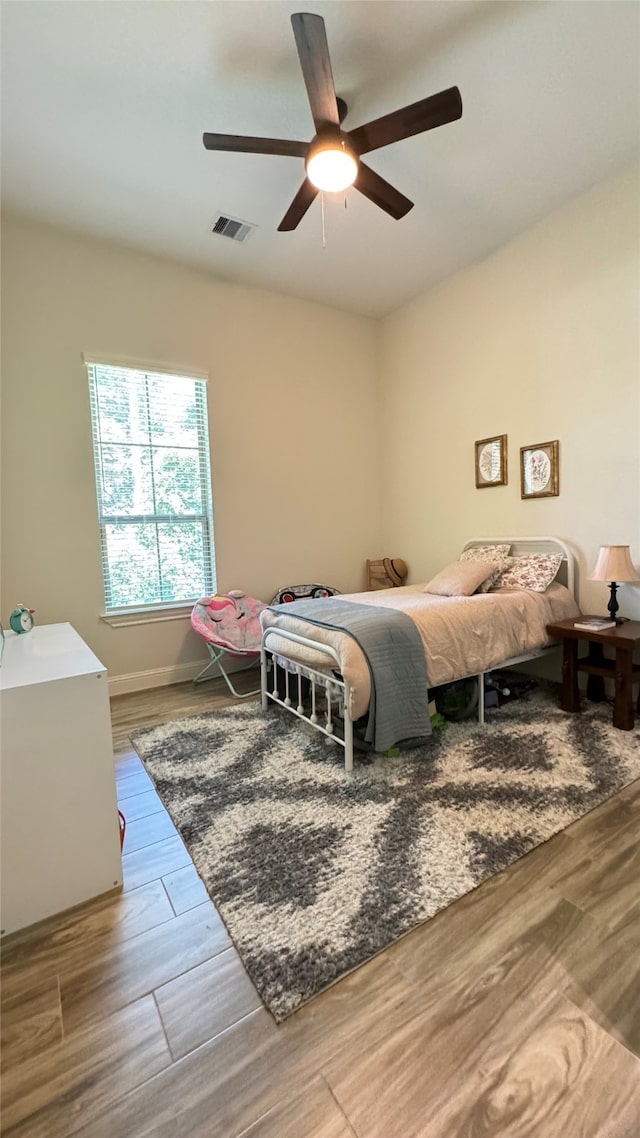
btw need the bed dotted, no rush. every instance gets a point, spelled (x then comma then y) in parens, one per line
(321, 675)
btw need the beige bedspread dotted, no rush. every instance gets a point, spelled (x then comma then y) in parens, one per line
(462, 636)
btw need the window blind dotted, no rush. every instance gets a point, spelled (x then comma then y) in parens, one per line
(153, 485)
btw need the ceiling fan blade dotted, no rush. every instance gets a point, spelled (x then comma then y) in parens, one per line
(381, 193)
(436, 110)
(313, 50)
(299, 206)
(244, 144)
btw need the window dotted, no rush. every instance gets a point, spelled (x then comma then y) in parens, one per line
(153, 482)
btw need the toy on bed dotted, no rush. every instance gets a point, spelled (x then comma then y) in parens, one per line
(229, 623)
(298, 592)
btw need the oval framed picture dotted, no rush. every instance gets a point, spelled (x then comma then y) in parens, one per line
(539, 470)
(491, 462)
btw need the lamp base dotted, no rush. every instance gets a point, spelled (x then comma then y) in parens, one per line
(613, 603)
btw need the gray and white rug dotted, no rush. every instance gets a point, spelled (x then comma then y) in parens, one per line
(314, 872)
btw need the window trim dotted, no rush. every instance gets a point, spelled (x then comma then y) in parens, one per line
(98, 359)
(152, 614)
(119, 617)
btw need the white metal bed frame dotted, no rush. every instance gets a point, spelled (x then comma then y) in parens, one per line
(336, 692)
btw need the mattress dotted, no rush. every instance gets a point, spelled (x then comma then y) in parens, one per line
(461, 636)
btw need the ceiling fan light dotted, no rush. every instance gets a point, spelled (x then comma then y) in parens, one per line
(331, 168)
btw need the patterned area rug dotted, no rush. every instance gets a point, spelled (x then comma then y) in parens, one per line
(314, 872)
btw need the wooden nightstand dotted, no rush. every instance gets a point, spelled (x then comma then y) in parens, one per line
(624, 638)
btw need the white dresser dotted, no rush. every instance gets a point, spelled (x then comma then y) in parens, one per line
(59, 837)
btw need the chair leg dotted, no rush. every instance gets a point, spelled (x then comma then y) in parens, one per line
(216, 658)
(237, 694)
(203, 674)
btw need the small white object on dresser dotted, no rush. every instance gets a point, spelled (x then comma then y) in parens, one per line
(60, 835)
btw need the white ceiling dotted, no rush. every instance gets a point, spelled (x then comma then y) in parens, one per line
(105, 101)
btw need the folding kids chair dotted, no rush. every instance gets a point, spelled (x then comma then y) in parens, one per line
(229, 624)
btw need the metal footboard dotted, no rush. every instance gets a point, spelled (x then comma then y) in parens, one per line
(334, 692)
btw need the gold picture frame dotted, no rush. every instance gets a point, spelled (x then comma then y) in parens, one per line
(491, 462)
(539, 470)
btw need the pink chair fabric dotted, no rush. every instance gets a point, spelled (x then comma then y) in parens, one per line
(229, 623)
(230, 620)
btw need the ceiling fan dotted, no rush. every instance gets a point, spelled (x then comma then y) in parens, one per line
(333, 157)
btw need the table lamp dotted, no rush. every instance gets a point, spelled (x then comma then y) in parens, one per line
(615, 566)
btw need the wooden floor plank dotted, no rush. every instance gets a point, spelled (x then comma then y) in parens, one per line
(147, 830)
(153, 862)
(141, 805)
(127, 763)
(313, 1114)
(630, 796)
(357, 1011)
(224, 1086)
(67, 942)
(229, 1083)
(607, 886)
(31, 1018)
(475, 1023)
(185, 888)
(133, 784)
(58, 1093)
(481, 925)
(513, 1059)
(600, 967)
(205, 1001)
(116, 976)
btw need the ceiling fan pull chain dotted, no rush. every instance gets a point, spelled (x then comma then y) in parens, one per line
(324, 243)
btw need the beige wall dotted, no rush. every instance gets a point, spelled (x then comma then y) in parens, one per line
(292, 423)
(539, 342)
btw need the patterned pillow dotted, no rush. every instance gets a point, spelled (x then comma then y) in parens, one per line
(495, 553)
(533, 571)
(461, 578)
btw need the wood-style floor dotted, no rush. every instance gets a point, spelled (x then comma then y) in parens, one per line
(515, 1012)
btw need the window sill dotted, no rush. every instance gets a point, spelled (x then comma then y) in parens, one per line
(130, 617)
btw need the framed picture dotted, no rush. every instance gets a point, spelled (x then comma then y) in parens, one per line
(539, 470)
(491, 462)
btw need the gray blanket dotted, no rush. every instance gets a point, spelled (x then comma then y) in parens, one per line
(399, 704)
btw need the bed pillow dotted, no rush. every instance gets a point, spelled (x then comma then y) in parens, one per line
(534, 571)
(461, 578)
(496, 553)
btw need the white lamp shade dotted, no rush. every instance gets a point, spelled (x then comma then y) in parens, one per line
(614, 564)
(331, 168)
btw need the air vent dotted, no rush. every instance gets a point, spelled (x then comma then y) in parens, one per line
(232, 227)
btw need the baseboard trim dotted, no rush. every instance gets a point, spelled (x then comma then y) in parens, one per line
(155, 677)
(162, 677)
